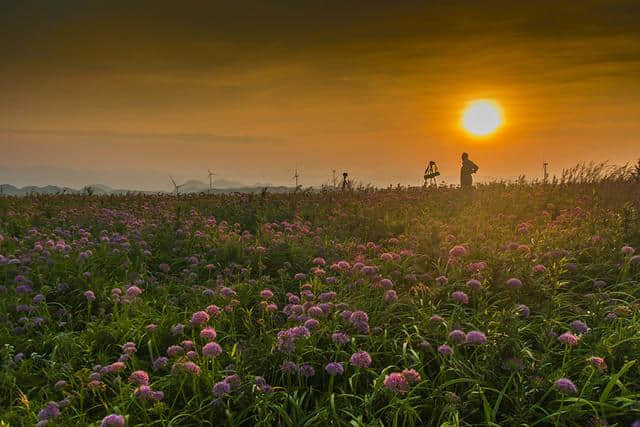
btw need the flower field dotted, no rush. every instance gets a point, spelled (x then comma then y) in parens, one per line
(505, 305)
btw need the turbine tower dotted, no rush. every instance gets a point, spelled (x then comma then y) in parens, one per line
(211, 174)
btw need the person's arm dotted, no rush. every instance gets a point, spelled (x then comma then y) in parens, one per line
(475, 167)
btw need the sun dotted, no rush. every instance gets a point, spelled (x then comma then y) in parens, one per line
(482, 117)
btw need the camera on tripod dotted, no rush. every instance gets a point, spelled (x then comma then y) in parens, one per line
(430, 174)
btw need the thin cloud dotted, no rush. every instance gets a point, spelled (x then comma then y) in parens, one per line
(201, 138)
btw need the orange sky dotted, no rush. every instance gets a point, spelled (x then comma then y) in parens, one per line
(124, 95)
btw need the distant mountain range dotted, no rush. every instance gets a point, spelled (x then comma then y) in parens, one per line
(191, 186)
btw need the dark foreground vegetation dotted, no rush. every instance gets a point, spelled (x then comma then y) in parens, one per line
(506, 305)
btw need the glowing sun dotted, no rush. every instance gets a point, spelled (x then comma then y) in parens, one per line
(482, 117)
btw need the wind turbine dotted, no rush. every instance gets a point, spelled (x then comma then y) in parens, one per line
(175, 186)
(296, 176)
(211, 174)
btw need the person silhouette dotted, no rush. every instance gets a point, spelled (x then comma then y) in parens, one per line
(468, 168)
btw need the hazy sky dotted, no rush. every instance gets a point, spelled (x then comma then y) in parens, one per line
(124, 93)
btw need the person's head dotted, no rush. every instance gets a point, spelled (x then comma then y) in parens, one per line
(465, 156)
(344, 174)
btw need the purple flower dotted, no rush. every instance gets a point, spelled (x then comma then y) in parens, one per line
(334, 368)
(340, 338)
(474, 284)
(390, 296)
(266, 294)
(311, 324)
(566, 386)
(460, 297)
(514, 283)
(327, 296)
(113, 420)
(396, 382)
(523, 310)
(315, 311)
(445, 350)
(212, 349)
(50, 410)
(361, 359)
(457, 336)
(289, 367)
(227, 292)
(579, 327)
(90, 296)
(476, 337)
(307, 371)
(221, 388)
(386, 283)
(160, 363)
(359, 316)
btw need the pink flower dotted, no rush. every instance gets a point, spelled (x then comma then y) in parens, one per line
(569, 339)
(457, 251)
(319, 261)
(266, 294)
(199, 318)
(598, 362)
(139, 377)
(208, 333)
(361, 359)
(213, 310)
(539, 268)
(442, 280)
(474, 284)
(411, 375)
(396, 382)
(134, 291)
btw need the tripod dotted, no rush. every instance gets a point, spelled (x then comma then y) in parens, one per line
(430, 174)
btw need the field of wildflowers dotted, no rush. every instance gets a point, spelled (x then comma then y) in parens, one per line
(506, 305)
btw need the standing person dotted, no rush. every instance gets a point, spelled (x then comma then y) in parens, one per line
(345, 183)
(468, 168)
